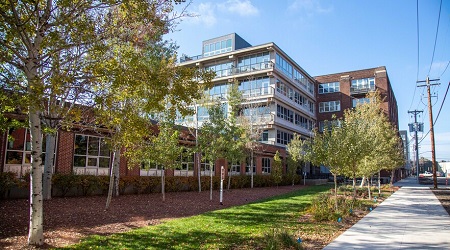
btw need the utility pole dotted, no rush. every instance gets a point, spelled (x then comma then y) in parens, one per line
(430, 111)
(416, 127)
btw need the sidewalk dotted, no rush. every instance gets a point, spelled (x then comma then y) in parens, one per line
(411, 218)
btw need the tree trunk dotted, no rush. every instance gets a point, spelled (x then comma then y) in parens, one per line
(379, 183)
(354, 187)
(111, 182)
(392, 176)
(48, 166)
(211, 181)
(363, 181)
(117, 173)
(36, 231)
(368, 189)
(229, 181)
(163, 184)
(335, 193)
(251, 169)
(199, 166)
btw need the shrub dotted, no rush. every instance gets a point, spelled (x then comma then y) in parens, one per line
(280, 239)
(64, 182)
(323, 207)
(7, 181)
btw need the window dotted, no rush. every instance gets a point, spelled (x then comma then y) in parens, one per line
(205, 167)
(217, 47)
(284, 137)
(331, 106)
(254, 87)
(221, 70)
(18, 151)
(360, 101)
(91, 151)
(285, 113)
(254, 62)
(266, 165)
(364, 84)
(149, 168)
(330, 87)
(234, 169)
(248, 166)
(186, 166)
(264, 136)
(283, 65)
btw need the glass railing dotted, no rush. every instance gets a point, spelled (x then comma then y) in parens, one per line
(362, 89)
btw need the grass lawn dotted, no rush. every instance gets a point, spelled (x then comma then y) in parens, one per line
(249, 226)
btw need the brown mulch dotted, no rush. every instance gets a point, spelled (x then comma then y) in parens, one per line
(444, 197)
(67, 220)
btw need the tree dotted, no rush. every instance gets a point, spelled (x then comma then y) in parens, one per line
(298, 152)
(236, 146)
(277, 170)
(50, 49)
(213, 140)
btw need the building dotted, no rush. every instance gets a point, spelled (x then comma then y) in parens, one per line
(279, 95)
(340, 91)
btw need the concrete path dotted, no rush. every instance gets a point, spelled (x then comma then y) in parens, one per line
(411, 218)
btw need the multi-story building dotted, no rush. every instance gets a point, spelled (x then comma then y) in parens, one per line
(340, 91)
(279, 94)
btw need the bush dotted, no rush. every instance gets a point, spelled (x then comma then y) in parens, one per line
(280, 239)
(323, 207)
(8, 180)
(64, 182)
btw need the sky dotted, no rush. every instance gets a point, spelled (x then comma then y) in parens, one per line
(332, 36)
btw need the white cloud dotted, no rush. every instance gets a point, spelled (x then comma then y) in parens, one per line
(240, 7)
(309, 6)
(203, 15)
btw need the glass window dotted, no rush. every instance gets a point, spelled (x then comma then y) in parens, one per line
(331, 106)
(266, 169)
(331, 87)
(91, 151)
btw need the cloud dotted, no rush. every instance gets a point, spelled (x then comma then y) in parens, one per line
(203, 15)
(240, 7)
(437, 68)
(309, 6)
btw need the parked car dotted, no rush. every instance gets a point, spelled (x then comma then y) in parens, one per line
(426, 174)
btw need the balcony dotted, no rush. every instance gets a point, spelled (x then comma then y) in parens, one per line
(362, 89)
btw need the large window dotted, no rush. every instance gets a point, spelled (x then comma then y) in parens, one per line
(205, 167)
(221, 70)
(254, 62)
(218, 91)
(18, 151)
(360, 101)
(249, 168)
(332, 106)
(285, 113)
(364, 84)
(217, 47)
(284, 65)
(255, 87)
(284, 137)
(149, 168)
(91, 151)
(234, 169)
(330, 87)
(266, 169)
(186, 166)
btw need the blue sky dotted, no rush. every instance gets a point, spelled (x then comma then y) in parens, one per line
(325, 36)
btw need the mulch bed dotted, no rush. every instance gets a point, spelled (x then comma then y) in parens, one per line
(67, 220)
(444, 197)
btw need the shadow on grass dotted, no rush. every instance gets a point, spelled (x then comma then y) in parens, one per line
(221, 229)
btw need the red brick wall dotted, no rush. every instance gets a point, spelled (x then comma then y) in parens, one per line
(64, 152)
(382, 84)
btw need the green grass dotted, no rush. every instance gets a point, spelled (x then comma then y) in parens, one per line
(244, 226)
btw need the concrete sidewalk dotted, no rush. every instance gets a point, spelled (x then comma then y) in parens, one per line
(411, 218)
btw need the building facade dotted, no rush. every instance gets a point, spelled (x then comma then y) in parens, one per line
(340, 91)
(280, 99)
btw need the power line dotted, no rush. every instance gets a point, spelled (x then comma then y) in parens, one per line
(435, 39)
